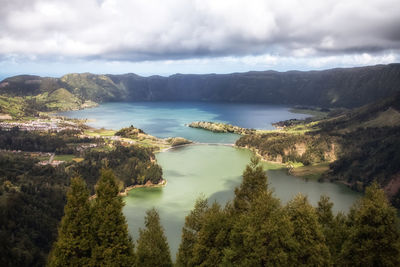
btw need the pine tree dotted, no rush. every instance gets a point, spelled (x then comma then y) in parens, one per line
(73, 246)
(254, 182)
(112, 244)
(152, 246)
(324, 211)
(262, 236)
(334, 228)
(213, 237)
(311, 249)
(374, 236)
(193, 224)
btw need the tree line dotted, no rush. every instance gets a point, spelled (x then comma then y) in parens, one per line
(32, 196)
(95, 233)
(254, 229)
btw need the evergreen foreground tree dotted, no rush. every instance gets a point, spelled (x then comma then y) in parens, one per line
(311, 249)
(262, 236)
(112, 244)
(193, 224)
(374, 236)
(212, 238)
(254, 182)
(334, 228)
(73, 246)
(152, 246)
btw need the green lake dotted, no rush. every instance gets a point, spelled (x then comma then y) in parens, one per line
(214, 171)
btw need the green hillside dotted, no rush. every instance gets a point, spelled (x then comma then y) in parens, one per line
(352, 87)
(361, 146)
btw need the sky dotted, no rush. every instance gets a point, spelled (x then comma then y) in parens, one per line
(163, 37)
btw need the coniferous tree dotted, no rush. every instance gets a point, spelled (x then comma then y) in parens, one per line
(112, 244)
(73, 246)
(152, 246)
(334, 227)
(193, 224)
(262, 236)
(254, 182)
(311, 249)
(324, 211)
(374, 236)
(213, 237)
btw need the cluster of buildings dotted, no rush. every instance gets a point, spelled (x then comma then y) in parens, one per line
(40, 125)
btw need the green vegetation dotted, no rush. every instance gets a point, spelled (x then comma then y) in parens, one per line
(67, 158)
(360, 146)
(32, 198)
(93, 235)
(193, 224)
(283, 147)
(99, 132)
(14, 106)
(73, 246)
(64, 142)
(87, 86)
(27, 94)
(313, 172)
(152, 246)
(112, 245)
(218, 127)
(374, 235)
(62, 99)
(178, 141)
(133, 165)
(129, 132)
(255, 229)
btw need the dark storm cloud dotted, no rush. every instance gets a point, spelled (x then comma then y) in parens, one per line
(181, 29)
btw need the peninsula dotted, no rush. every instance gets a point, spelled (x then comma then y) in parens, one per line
(218, 127)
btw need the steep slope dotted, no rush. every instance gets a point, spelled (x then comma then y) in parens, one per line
(350, 87)
(361, 145)
(97, 88)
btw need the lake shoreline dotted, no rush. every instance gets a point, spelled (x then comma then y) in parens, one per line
(149, 184)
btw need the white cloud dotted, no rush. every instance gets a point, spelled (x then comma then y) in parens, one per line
(136, 30)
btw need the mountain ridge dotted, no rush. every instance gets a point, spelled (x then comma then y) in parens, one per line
(338, 87)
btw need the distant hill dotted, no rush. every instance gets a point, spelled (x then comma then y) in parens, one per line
(351, 87)
(347, 87)
(362, 145)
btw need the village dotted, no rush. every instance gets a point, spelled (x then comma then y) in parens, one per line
(52, 124)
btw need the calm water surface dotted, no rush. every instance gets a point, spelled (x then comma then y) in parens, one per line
(212, 170)
(168, 119)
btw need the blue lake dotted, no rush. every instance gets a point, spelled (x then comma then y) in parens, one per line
(210, 170)
(169, 119)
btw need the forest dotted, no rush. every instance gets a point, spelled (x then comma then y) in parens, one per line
(254, 229)
(32, 196)
(360, 145)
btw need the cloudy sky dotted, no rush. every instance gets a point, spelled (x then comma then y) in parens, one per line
(53, 37)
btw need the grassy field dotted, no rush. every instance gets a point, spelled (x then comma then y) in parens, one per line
(272, 166)
(100, 132)
(313, 172)
(67, 158)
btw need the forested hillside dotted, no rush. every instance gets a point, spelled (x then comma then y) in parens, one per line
(351, 87)
(254, 229)
(33, 191)
(361, 145)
